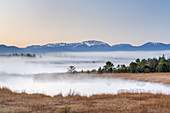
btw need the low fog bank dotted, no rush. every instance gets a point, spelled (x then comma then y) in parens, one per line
(83, 84)
(59, 62)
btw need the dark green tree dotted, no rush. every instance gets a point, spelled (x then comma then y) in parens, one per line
(153, 64)
(93, 71)
(133, 67)
(147, 70)
(108, 67)
(162, 67)
(122, 69)
(100, 70)
(141, 66)
(138, 61)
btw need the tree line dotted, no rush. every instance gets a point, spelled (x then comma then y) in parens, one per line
(25, 55)
(150, 65)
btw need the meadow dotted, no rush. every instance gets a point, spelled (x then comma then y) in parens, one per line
(121, 103)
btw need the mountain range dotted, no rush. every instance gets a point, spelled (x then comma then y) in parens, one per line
(85, 46)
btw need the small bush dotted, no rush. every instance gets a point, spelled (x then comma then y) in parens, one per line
(65, 109)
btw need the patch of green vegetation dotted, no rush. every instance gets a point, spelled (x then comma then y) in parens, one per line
(65, 109)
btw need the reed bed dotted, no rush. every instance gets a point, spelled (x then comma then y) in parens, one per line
(123, 102)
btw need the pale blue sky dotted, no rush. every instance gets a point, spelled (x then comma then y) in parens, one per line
(27, 22)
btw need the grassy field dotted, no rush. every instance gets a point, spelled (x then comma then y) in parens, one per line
(11, 102)
(150, 77)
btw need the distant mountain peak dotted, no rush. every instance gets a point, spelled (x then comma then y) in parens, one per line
(93, 43)
(90, 45)
(153, 43)
(55, 45)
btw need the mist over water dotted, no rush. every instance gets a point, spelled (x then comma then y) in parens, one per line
(85, 85)
(38, 75)
(59, 62)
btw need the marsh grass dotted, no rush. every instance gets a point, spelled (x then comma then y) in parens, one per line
(65, 109)
(124, 102)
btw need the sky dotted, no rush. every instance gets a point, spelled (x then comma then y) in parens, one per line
(38, 22)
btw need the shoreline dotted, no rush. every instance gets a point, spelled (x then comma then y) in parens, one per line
(163, 78)
(146, 77)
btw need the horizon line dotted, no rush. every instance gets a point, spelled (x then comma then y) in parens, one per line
(84, 41)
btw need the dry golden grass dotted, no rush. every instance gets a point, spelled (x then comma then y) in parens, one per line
(11, 102)
(151, 77)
